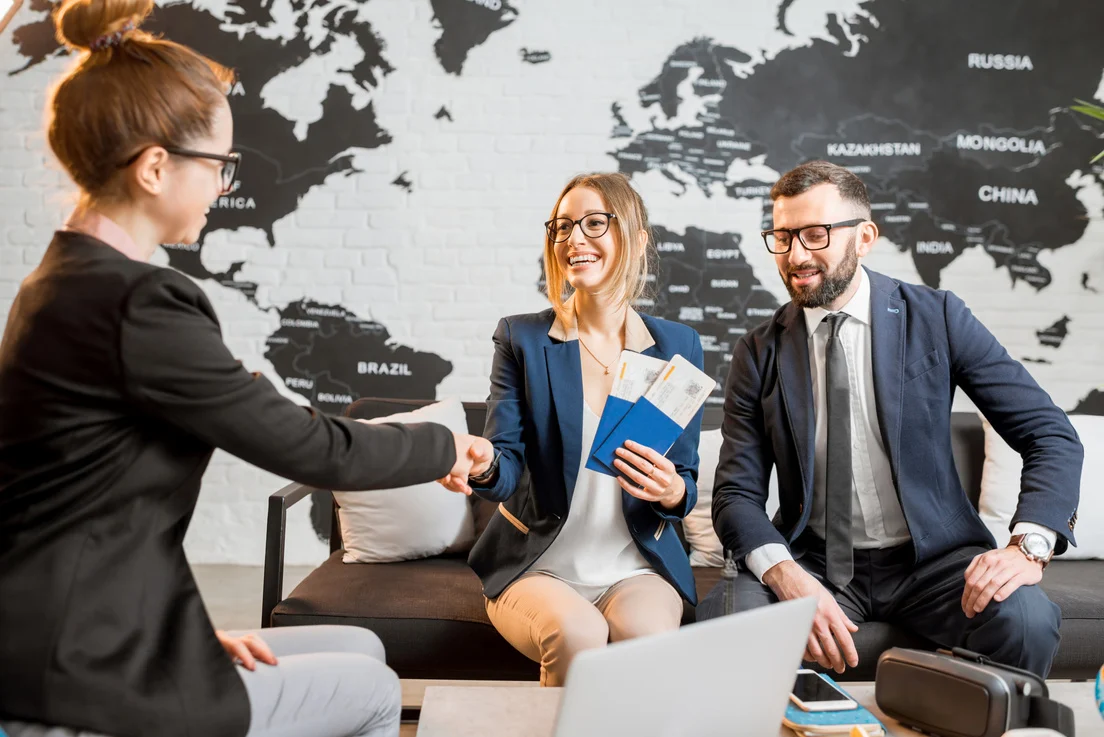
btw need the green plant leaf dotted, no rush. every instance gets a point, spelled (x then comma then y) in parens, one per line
(1092, 113)
(1088, 108)
(1092, 110)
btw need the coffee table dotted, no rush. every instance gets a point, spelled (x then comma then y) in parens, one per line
(521, 709)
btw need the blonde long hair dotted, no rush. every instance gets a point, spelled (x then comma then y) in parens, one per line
(629, 280)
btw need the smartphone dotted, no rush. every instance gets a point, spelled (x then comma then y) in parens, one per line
(814, 692)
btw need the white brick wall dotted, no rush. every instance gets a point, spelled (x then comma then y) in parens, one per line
(440, 265)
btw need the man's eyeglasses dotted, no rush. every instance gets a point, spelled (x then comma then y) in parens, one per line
(231, 163)
(594, 225)
(812, 237)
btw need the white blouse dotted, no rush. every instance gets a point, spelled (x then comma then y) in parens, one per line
(594, 549)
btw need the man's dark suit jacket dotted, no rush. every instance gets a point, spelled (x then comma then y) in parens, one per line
(925, 342)
(115, 387)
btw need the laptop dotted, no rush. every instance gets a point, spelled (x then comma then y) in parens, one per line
(726, 676)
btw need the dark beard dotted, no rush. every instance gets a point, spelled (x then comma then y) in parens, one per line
(832, 284)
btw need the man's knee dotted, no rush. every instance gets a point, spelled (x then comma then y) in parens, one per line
(1029, 618)
(748, 593)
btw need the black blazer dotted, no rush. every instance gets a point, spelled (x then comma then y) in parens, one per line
(924, 344)
(115, 387)
(534, 419)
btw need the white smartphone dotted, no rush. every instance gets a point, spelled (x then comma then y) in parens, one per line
(814, 692)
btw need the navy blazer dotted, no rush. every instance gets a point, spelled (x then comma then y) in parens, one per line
(534, 419)
(925, 343)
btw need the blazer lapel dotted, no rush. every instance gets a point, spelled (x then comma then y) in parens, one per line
(887, 346)
(565, 379)
(797, 391)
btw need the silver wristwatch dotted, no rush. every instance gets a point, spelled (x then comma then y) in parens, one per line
(1035, 546)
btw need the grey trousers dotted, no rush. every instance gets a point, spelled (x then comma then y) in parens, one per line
(331, 681)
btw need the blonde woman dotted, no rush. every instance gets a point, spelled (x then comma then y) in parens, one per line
(576, 559)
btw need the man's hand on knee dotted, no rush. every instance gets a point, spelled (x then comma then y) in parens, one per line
(995, 575)
(830, 643)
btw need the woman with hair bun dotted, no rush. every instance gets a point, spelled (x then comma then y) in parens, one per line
(115, 388)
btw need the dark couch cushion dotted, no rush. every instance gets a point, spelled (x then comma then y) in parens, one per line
(705, 579)
(428, 613)
(1077, 587)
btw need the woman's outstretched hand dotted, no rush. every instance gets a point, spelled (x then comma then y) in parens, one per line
(482, 454)
(247, 649)
(654, 475)
(473, 455)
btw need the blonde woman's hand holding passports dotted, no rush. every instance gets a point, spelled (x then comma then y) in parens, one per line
(652, 476)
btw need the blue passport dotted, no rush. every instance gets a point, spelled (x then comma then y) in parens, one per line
(643, 423)
(615, 410)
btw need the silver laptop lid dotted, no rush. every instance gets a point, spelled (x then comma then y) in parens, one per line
(724, 677)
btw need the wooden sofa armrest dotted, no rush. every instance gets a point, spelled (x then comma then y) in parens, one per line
(278, 504)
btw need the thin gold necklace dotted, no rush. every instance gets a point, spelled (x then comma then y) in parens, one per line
(605, 366)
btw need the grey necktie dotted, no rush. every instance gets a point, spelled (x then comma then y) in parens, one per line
(837, 508)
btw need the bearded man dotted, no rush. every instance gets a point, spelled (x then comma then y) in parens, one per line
(846, 391)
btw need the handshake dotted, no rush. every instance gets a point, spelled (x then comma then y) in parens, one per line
(473, 456)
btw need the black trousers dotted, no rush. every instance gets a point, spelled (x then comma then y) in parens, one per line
(889, 586)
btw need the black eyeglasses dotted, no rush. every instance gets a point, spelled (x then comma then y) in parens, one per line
(812, 237)
(594, 225)
(231, 163)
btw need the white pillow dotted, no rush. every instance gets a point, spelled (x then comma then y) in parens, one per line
(412, 522)
(1000, 487)
(706, 550)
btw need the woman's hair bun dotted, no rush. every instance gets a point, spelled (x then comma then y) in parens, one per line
(80, 23)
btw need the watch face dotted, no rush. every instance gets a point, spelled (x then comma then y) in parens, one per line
(1036, 544)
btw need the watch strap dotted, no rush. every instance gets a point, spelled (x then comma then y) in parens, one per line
(489, 473)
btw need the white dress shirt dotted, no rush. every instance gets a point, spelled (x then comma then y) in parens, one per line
(877, 520)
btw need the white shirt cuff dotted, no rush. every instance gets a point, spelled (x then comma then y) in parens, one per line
(1022, 528)
(766, 557)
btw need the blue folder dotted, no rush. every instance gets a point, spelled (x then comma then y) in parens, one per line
(644, 423)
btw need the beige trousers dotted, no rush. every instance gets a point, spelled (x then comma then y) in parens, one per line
(549, 622)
